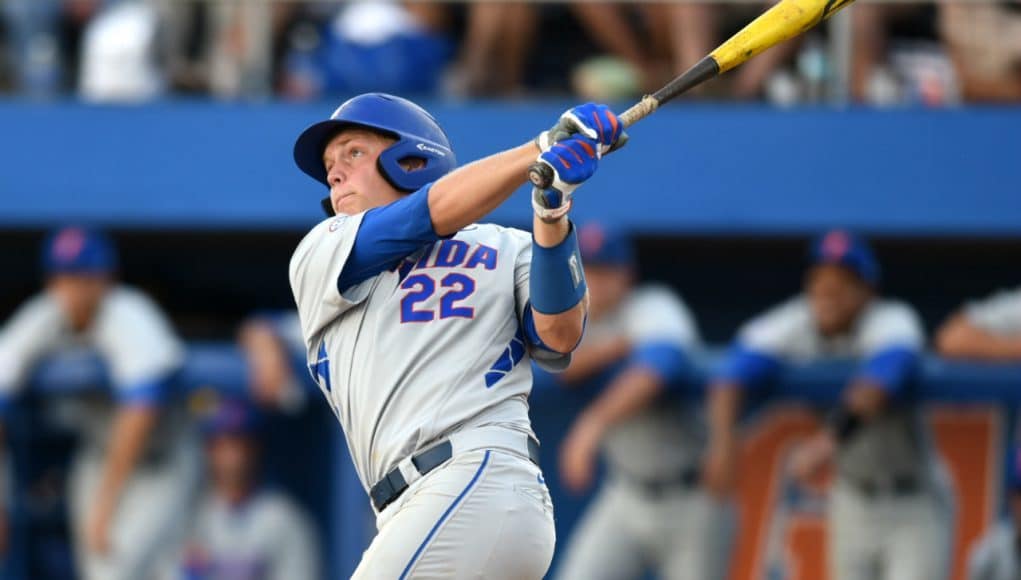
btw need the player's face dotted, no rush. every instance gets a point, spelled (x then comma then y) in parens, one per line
(607, 286)
(79, 296)
(355, 183)
(232, 460)
(836, 296)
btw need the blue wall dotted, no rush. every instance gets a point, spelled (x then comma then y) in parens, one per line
(692, 169)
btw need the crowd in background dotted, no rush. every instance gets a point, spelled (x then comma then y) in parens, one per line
(134, 50)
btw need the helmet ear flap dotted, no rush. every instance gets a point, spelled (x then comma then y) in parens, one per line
(437, 162)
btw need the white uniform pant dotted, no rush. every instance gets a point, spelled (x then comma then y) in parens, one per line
(484, 514)
(150, 519)
(890, 537)
(683, 534)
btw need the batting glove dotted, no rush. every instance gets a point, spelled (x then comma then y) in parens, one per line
(573, 161)
(597, 122)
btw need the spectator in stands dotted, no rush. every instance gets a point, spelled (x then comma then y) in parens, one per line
(997, 555)
(120, 54)
(988, 329)
(137, 464)
(984, 40)
(697, 28)
(42, 40)
(243, 531)
(373, 45)
(631, 44)
(890, 510)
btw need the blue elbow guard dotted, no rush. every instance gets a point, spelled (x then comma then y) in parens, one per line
(557, 282)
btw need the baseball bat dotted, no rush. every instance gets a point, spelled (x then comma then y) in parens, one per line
(784, 20)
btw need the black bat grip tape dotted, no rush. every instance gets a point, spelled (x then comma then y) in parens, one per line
(541, 175)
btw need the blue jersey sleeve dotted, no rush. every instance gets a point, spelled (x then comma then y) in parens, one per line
(144, 394)
(665, 358)
(890, 368)
(387, 235)
(747, 367)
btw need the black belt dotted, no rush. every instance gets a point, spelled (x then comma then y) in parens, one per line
(393, 485)
(685, 480)
(898, 486)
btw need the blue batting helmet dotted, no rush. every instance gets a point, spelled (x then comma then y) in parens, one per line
(416, 131)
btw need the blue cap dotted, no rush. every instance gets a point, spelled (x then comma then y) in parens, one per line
(231, 417)
(605, 246)
(848, 250)
(78, 250)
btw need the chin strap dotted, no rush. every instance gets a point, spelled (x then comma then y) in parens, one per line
(327, 207)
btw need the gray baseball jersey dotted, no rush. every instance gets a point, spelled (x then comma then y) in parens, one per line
(998, 314)
(412, 354)
(663, 439)
(894, 534)
(997, 556)
(893, 444)
(677, 530)
(265, 538)
(129, 333)
(137, 344)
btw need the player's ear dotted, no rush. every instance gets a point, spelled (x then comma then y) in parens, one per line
(412, 163)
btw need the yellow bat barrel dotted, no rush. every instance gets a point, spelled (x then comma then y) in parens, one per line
(785, 20)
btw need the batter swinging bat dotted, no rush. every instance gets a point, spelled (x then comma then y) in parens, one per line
(786, 19)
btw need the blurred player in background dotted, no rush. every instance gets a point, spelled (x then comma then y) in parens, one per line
(243, 531)
(997, 556)
(988, 329)
(416, 321)
(137, 465)
(890, 510)
(651, 513)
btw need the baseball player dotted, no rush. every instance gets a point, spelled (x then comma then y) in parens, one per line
(136, 466)
(988, 329)
(419, 324)
(243, 531)
(651, 513)
(890, 512)
(997, 556)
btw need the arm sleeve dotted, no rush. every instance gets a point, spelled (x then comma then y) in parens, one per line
(546, 359)
(34, 329)
(763, 344)
(892, 339)
(139, 346)
(747, 367)
(662, 331)
(997, 314)
(386, 236)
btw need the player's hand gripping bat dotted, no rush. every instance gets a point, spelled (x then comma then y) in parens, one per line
(786, 19)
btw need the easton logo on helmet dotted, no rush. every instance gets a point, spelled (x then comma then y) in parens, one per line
(424, 147)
